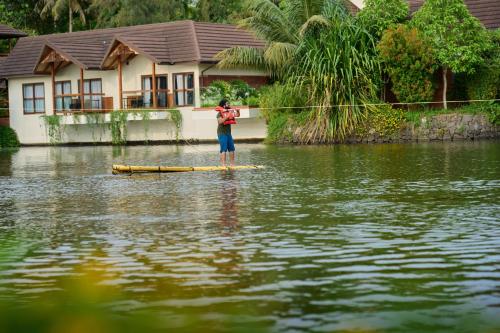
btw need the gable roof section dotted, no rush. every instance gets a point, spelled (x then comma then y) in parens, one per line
(8, 32)
(164, 43)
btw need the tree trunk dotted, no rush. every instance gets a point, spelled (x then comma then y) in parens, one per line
(70, 18)
(445, 87)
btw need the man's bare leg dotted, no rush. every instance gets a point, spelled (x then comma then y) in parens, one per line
(223, 159)
(231, 158)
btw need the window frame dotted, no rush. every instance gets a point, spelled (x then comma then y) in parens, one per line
(34, 98)
(63, 95)
(184, 91)
(90, 94)
(144, 91)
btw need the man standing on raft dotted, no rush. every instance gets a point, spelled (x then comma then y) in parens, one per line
(225, 117)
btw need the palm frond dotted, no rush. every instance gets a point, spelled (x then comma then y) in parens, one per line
(315, 22)
(279, 56)
(269, 22)
(240, 56)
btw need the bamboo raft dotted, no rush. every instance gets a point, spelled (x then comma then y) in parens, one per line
(119, 169)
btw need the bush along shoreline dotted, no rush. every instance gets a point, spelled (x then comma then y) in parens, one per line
(386, 125)
(8, 138)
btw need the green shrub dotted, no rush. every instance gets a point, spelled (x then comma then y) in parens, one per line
(282, 107)
(383, 120)
(237, 92)
(485, 82)
(8, 137)
(408, 59)
(379, 15)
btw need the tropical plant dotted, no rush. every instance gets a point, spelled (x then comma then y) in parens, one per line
(57, 7)
(458, 38)
(408, 59)
(281, 27)
(336, 67)
(380, 15)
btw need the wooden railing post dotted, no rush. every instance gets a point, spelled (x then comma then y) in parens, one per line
(153, 78)
(53, 78)
(120, 87)
(81, 90)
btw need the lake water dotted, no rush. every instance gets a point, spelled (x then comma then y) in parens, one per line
(371, 238)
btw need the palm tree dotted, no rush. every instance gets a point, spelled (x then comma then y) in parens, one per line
(280, 27)
(317, 50)
(57, 7)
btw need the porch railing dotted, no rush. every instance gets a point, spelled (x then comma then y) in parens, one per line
(72, 103)
(143, 99)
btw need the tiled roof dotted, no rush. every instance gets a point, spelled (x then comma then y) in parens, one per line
(165, 43)
(8, 32)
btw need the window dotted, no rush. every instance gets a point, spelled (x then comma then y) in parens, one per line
(63, 95)
(161, 90)
(92, 94)
(34, 98)
(184, 89)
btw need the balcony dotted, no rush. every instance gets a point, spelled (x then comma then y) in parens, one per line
(143, 99)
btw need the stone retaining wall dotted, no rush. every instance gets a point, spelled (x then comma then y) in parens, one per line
(445, 127)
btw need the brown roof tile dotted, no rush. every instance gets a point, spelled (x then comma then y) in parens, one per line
(8, 32)
(166, 43)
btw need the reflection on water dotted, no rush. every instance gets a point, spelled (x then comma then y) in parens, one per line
(392, 238)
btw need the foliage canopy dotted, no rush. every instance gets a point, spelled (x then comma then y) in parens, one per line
(408, 59)
(380, 15)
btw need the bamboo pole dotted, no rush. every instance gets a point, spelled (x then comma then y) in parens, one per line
(117, 169)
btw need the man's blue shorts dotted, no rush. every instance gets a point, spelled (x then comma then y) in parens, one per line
(226, 143)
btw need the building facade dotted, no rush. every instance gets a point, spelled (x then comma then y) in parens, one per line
(83, 77)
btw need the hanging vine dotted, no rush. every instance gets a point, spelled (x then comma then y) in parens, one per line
(118, 127)
(145, 116)
(176, 117)
(54, 128)
(95, 120)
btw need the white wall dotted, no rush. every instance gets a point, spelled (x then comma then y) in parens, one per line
(31, 128)
(359, 3)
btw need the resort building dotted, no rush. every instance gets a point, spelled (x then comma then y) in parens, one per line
(84, 76)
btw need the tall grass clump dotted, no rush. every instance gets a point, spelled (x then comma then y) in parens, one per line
(337, 68)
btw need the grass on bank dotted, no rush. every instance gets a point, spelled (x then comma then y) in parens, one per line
(283, 124)
(491, 110)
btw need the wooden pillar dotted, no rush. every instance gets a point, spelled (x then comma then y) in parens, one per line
(120, 87)
(53, 78)
(82, 85)
(153, 79)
